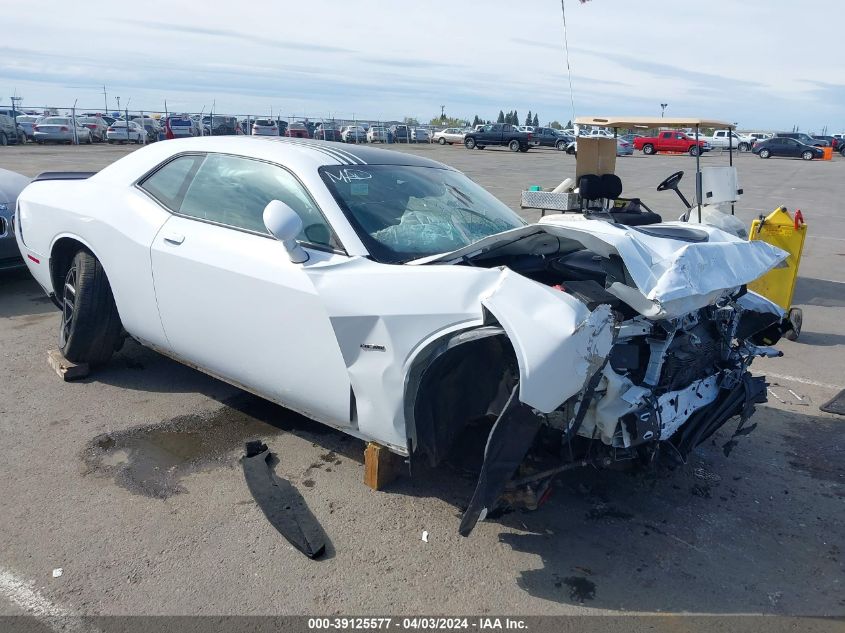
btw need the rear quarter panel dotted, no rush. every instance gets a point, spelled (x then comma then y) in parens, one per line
(117, 223)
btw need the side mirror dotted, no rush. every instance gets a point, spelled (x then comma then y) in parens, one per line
(285, 225)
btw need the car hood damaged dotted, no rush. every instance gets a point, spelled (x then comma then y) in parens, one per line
(670, 269)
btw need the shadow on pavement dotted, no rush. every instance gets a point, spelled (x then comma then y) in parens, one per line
(819, 292)
(20, 295)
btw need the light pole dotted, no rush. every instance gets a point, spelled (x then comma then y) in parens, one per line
(118, 105)
(663, 107)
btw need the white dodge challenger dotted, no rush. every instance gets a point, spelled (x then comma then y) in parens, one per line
(391, 297)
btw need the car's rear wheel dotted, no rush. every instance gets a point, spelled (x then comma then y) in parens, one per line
(764, 153)
(648, 149)
(693, 151)
(469, 143)
(744, 147)
(513, 146)
(90, 329)
(442, 141)
(808, 155)
(523, 149)
(3, 140)
(796, 319)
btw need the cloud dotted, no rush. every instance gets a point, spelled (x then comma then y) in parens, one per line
(236, 35)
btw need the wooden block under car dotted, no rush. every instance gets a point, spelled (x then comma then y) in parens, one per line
(380, 466)
(67, 370)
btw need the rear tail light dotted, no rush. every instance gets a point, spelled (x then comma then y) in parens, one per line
(111, 129)
(64, 129)
(34, 128)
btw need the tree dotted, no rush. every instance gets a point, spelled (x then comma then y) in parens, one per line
(501, 118)
(475, 121)
(536, 120)
(528, 118)
(515, 118)
(448, 121)
(409, 120)
(556, 125)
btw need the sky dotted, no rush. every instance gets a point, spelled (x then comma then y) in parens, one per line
(764, 64)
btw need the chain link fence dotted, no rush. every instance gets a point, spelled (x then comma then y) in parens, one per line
(162, 125)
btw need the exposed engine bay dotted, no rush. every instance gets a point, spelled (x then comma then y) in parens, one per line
(667, 385)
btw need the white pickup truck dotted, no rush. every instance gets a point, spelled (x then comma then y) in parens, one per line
(741, 142)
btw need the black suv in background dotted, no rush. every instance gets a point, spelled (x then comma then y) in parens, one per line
(10, 131)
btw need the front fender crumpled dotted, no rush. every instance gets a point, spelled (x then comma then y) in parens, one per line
(555, 337)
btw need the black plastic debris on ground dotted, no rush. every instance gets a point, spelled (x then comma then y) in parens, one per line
(280, 502)
(835, 405)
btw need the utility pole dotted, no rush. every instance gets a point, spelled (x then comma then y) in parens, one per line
(442, 112)
(118, 105)
(663, 107)
(105, 101)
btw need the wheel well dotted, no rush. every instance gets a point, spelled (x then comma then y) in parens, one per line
(458, 379)
(60, 258)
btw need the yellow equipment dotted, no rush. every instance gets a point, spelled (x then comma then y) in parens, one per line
(782, 230)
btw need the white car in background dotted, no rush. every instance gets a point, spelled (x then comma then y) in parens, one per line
(390, 297)
(119, 132)
(265, 127)
(353, 134)
(376, 134)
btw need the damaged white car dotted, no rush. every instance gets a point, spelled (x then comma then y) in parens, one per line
(391, 297)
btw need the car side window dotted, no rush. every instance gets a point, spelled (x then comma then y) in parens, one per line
(232, 190)
(168, 184)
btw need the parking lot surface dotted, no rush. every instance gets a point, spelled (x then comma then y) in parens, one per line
(129, 480)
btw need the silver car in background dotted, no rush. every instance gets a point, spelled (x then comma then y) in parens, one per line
(265, 127)
(60, 129)
(26, 122)
(97, 127)
(419, 135)
(353, 134)
(11, 184)
(450, 135)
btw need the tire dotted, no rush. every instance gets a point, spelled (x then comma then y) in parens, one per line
(3, 140)
(89, 141)
(743, 147)
(469, 143)
(693, 151)
(572, 151)
(111, 141)
(648, 149)
(523, 149)
(560, 146)
(764, 153)
(513, 145)
(842, 153)
(808, 155)
(442, 141)
(796, 318)
(90, 329)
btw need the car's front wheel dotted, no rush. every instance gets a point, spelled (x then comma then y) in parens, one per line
(442, 141)
(469, 143)
(764, 153)
(808, 155)
(744, 147)
(560, 146)
(693, 151)
(3, 140)
(90, 329)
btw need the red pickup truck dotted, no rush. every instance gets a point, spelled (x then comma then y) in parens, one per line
(670, 141)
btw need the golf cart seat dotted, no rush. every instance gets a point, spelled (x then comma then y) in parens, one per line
(601, 194)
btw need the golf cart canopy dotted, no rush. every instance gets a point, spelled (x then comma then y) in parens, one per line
(649, 122)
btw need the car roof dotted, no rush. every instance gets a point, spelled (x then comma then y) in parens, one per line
(299, 155)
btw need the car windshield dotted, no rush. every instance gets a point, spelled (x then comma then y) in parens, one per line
(403, 212)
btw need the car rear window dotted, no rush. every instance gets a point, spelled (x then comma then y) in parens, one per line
(54, 121)
(264, 122)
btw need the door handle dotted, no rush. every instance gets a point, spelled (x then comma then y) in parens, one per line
(174, 238)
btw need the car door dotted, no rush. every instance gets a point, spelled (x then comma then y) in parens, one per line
(230, 299)
(789, 147)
